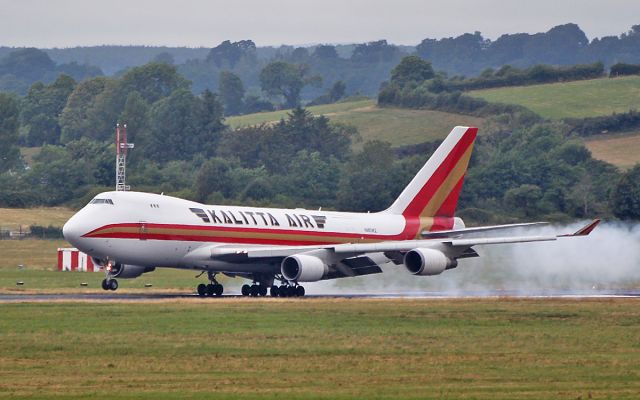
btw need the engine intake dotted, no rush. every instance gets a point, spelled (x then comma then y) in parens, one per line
(303, 268)
(427, 262)
(126, 271)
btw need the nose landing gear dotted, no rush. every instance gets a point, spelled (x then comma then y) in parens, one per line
(109, 283)
(213, 288)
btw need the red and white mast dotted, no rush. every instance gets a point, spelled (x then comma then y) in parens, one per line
(121, 157)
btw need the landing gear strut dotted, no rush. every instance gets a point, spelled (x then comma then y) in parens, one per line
(213, 288)
(109, 283)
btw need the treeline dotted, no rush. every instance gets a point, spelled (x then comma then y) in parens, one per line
(471, 53)
(361, 67)
(511, 76)
(617, 122)
(414, 84)
(19, 69)
(622, 69)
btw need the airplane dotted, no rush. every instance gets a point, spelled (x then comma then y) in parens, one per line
(131, 233)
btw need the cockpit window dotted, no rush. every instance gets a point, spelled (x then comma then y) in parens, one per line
(101, 201)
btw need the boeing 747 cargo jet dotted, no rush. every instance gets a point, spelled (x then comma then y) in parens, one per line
(131, 233)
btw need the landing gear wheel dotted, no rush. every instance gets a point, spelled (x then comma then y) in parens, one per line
(202, 289)
(255, 290)
(262, 290)
(218, 289)
(274, 291)
(210, 289)
(246, 290)
(105, 284)
(300, 291)
(113, 284)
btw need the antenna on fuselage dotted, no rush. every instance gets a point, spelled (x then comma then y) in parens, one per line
(121, 157)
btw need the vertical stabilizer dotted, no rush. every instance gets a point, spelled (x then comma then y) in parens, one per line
(435, 190)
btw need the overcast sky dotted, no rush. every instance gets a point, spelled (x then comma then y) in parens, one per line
(194, 23)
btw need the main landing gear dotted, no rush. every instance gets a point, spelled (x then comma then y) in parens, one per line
(213, 288)
(287, 289)
(109, 283)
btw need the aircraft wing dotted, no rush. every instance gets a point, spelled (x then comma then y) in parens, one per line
(452, 247)
(481, 229)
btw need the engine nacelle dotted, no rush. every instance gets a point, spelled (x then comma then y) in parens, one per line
(427, 262)
(303, 268)
(127, 271)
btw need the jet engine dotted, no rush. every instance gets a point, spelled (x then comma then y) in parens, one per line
(126, 271)
(303, 268)
(427, 262)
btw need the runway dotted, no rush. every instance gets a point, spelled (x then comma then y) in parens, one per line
(156, 296)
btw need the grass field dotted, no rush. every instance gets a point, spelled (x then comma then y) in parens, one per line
(395, 125)
(322, 349)
(12, 218)
(621, 150)
(572, 99)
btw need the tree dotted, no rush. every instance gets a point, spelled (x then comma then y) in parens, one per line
(625, 199)
(325, 52)
(231, 92)
(164, 57)
(30, 63)
(228, 54)
(287, 80)
(524, 198)
(412, 69)
(183, 125)
(9, 123)
(362, 186)
(75, 120)
(337, 91)
(41, 109)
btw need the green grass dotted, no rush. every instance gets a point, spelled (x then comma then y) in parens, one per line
(12, 218)
(578, 99)
(31, 253)
(321, 349)
(398, 126)
(274, 116)
(621, 150)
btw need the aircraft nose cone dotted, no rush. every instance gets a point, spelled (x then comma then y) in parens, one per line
(71, 231)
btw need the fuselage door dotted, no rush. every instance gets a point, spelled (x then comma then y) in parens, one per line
(143, 230)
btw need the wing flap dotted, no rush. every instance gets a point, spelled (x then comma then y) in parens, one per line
(479, 229)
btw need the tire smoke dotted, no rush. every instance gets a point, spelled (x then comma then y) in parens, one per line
(607, 259)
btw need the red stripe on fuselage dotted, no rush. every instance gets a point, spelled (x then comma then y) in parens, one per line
(412, 226)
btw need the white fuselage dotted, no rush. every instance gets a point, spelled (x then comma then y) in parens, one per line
(163, 231)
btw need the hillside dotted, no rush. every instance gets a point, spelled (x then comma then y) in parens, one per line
(621, 150)
(13, 218)
(577, 99)
(399, 126)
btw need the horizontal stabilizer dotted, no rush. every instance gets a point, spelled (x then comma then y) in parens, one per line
(584, 231)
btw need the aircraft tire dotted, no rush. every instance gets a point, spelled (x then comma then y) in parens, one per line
(202, 289)
(246, 290)
(211, 289)
(218, 289)
(300, 291)
(274, 291)
(255, 290)
(262, 290)
(105, 284)
(113, 285)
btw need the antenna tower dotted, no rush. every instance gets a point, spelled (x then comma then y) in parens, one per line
(121, 157)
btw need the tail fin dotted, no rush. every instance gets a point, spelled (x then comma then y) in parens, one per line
(435, 190)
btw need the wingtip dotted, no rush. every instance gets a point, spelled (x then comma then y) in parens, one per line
(585, 230)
